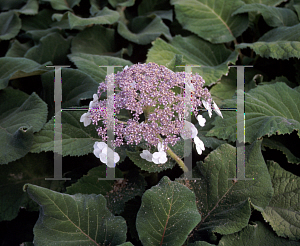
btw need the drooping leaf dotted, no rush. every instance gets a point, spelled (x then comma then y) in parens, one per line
(123, 3)
(211, 20)
(10, 25)
(89, 64)
(30, 8)
(74, 218)
(283, 210)
(52, 47)
(96, 40)
(279, 43)
(105, 16)
(213, 58)
(17, 49)
(269, 110)
(18, 67)
(62, 5)
(277, 142)
(167, 215)
(224, 205)
(144, 30)
(41, 21)
(273, 16)
(257, 234)
(147, 7)
(21, 116)
(32, 168)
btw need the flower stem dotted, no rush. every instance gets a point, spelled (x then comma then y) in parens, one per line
(170, 153)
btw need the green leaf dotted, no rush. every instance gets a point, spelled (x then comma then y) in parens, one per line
(266, 2)
(40, 21)
(17, 49)
(10, 25)
(96, 40)
(213, 58)
(167, 215)
(269, 110)
(63, 5)
(21, 116)
(18, 67)
(30, 8)
(77, 140)
(279, 43)
(89, 64)
(146, 7)
(10, 4)
(257, 234)
(116, 193)
(283, 210)
(224, 205)
(272, 15)
(123, 3)
(144, 30)
(277, 49)
(105, 16)
(276, 142)
(52, 47)
(32, 168)
(211, 20)
(74, 218)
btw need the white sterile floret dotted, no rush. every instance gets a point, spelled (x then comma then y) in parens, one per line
(199, 145)
(159, 157)
(217, 110)
(189, 126)
(146, 155)
(100, 151)
(160, 146)
(95, 100)
(86, 119)
(125, 67)
(208, 107)
(201, 120)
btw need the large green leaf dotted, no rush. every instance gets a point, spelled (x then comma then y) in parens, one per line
(52, 47)
(96, 40)
(21, 116)
(224, 205)
(10, 25)
(33, 168)
(269, 110)
(41, 21)
(17, 49)
(73, 219)
(30, 8)
(123, 3)
(283, 211)
(105, 16)
(279, 43)
(89, 64)
(257, 234)
(116, 193)
(143, 30)
(63, 5)
(211, 20)
(167, 215)
(18, 67)
(266, 2)
(213, 58)
(146, 7)
(273, 16)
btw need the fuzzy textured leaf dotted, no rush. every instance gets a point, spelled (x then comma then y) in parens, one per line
(74, 218)
(170, 209)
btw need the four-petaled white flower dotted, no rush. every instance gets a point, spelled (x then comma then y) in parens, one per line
(125, 67)
(199, 145)
(192, 127)
(100, 151)
(208, 107)
(217, 110)
(159, 157)
(86, 119)
(201, 120)
(146, 155)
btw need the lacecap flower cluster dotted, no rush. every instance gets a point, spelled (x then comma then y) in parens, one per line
(149, 89)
